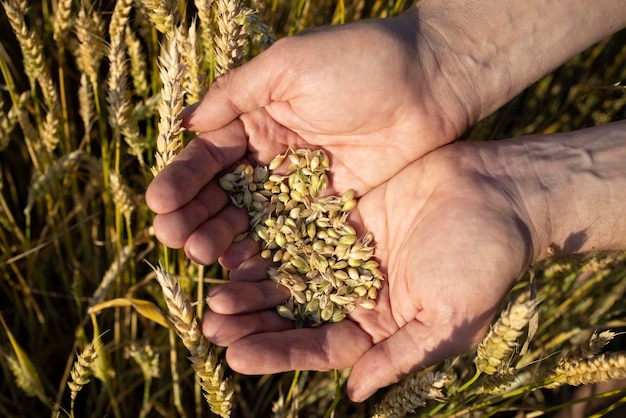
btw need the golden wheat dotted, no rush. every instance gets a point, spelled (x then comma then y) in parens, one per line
(172, 71)
(495, 352)
(217, 391)
(82, 371)
(413, 393)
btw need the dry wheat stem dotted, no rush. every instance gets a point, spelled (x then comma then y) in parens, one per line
(217, 390)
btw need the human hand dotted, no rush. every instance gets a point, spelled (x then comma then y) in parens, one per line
(356, 91)
(454, 230)
(451, 243)
(359, 91)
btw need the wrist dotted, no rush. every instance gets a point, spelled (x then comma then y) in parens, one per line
(569, 186)
(486, 52)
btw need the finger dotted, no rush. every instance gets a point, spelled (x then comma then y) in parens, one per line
(238, 252)
(207, 242)
(414, 347)
(234, 298)
(253, 269)
(173, 229)
(331, 346)
(240, 90)
(223, 330)
(198, 163)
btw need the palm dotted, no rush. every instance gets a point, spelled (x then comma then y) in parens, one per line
(357, 91)
(433, 305)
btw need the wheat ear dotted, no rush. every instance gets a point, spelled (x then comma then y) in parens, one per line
(231, 39)
(90, 32)
(81, 371)
(494, 353)
(217, 391)
(413, 393)
(603, 367)
(172, 72)
(163, 14)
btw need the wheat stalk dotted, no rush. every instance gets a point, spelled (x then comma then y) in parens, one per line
(217, 391)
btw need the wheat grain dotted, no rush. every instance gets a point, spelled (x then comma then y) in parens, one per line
(413, 393)
(172, 72)
(495, 352)
(122, 195)
(117, 89)
(7, 124)
(326, 267)
(217, 391)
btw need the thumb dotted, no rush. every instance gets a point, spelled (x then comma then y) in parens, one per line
(240, 90)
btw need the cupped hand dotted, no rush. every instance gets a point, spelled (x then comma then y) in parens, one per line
(358, 91)
(452, 239)
(366, 92)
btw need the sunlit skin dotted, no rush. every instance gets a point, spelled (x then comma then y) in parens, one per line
(455, 225)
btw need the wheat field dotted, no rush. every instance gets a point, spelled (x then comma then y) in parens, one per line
(99, 319)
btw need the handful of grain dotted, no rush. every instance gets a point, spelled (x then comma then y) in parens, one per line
(325, 266)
